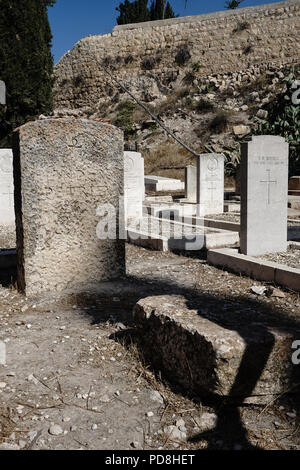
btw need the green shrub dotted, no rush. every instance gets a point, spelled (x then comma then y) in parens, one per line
(183, 56)
(284, 120)
(204, 106)
(241, 26)
(124, 118)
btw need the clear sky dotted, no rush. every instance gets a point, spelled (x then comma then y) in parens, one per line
(71, 20)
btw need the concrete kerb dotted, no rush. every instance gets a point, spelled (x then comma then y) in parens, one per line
(255, 268)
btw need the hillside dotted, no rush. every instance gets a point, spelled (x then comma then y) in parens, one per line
(209, 78)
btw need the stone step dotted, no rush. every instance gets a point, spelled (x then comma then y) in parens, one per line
(217, 353)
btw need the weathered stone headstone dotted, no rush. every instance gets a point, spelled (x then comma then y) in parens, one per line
(264, 193)
(191, 183)
(7, 212)
(134, 186)
(210, 184)
(2, 92)
(64, 169)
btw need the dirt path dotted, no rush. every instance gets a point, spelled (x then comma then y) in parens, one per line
(71, 383)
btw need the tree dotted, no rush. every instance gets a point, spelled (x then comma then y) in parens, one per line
(137, 11)
(284, 120)
(26, 63)
(133, 12)
(233, 4)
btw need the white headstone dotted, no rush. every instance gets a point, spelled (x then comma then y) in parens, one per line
(191, 183)
(2, 92)
(161, 183)
(134, 186)
(7, 211)
(210, 184)
(264, 194)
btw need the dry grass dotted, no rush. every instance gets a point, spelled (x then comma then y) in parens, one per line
(167, 157)
(173, 100)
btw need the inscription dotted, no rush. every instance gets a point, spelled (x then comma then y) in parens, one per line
(262, 160)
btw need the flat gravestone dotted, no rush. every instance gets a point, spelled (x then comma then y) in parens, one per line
(65, 170)
(134, 186)
(7, 211)
(210, 184)
(2, 92)
(264, 194)
(191, 183)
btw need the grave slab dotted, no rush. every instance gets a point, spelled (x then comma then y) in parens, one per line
(175, 235)
(65, 170)
(264, 190)
(210, 184)
(160, 183)
(211, 353)
(256, 268)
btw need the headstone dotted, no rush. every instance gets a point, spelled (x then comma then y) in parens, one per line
(264, 193)
(134, 186)
(210, 184)
(7, 212)
(191, 183)
(2, 92)
(65, 169)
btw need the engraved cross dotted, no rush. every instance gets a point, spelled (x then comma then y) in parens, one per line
(269, 182)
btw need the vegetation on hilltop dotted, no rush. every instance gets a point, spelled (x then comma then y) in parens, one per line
(138, 11)
(26, 63)
(284, 120)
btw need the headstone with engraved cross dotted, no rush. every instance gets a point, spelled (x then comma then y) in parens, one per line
(210, 184)
(264, 193)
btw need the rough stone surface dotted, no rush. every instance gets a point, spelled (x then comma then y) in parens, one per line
(7, 213)
(191, 183)
(134, 186)
(64, 170)
(134, 45)
(264, 194)
(210, 184)
(211, 354)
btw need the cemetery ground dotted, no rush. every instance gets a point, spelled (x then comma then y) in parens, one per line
(75, 378)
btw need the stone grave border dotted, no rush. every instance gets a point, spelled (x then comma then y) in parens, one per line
(257, 268)
(219, 238)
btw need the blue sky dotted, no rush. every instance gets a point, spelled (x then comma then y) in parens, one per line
(71, 20)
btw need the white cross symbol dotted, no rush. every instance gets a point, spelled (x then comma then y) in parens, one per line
(269, 182)
(212, 188)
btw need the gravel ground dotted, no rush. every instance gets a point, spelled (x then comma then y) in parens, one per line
(75, 380)
(291, 258)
